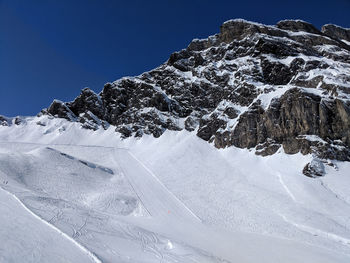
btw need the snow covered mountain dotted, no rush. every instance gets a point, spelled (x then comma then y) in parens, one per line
(199, 160)
(250, 86)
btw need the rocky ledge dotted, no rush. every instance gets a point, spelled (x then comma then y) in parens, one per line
(250, 86)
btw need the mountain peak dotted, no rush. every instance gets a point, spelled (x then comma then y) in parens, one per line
(298, 26)
(337, 32)
(250, 86)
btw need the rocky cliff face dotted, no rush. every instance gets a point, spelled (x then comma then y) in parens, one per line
(249, 86)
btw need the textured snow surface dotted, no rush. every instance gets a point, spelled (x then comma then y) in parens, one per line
(73, 195)
(27, 237)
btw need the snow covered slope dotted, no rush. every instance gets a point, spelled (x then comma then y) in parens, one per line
(171, 199)
(26, 237)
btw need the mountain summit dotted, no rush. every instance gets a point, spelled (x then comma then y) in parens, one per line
(251, 86)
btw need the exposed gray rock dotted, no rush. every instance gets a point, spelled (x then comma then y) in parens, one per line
(208, 126)
(297, 26)
(18, 120)
(315, 168)
(336, 32)
(87, 101)
(238, 29)
(61, 110)
(293, 114)
(4, 121)
(231, 112)
(276, 73)
(40, 124)
(191, 123)
(267, 148)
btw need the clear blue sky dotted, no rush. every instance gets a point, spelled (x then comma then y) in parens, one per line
(53, 49)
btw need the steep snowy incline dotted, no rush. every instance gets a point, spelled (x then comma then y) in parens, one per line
(236, 190)
(72, 187)
(25, 237)
(250, 207)
(156, 198)
(171, 218)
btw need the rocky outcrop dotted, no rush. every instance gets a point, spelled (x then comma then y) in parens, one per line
(59, 109)
(298, 26)
(4, 121)
(209, 125)
(249, 86)
(88, 101)
(336, 32)
(315, 168)
(239, 29)
(294, 114)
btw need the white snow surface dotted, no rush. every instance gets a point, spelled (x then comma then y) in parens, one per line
(74, 195)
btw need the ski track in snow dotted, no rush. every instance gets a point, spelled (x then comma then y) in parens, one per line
(165, 192)
(81, 247)
(318, 232)
(279, 176)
